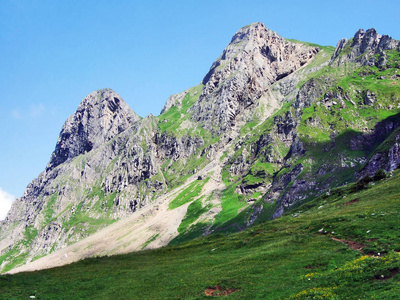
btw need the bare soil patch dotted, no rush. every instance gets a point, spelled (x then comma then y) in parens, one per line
(218, 290)
(352, 201)
(353, 245)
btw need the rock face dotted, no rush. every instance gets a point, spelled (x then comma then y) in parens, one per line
(386, 134)
(265, 128)
(100, 116)
(175, 148)
(362, 48)
(255, 59)
(104, 167)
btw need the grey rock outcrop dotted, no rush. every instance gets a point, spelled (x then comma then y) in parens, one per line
(172, 147)
(309, 93)
(339, 47)
(101, 115)
(369, 98)
(387, 160)
(387, 155)
(255, 59)
(363, 47)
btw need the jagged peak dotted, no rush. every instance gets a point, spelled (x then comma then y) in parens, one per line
(255, 58)
(109, 98)
(367, 42)
(253, 30)
(245, 41)
(100, 116)
(252, 40)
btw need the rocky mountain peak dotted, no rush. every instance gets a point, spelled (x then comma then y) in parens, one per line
(290, 141)
(257, 46)
(101, 116)
(365, 40)
(255, 58)
(363, 46)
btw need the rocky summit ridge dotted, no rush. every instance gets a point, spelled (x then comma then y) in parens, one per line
(274, 123)
(255, 59)
(364, 46)
(101, 116)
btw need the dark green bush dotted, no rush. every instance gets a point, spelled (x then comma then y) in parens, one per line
(361, 184)
(379, 175)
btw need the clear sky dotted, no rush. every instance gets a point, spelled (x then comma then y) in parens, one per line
(54, 53)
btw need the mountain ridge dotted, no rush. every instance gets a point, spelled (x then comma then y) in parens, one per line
(254, 59)
(254, 134)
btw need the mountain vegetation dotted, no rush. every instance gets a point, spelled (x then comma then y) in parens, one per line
(341, 245)
(275, 177)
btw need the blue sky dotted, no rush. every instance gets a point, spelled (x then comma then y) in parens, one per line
(54, 53)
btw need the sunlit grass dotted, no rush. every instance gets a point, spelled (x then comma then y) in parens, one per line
(302, 255)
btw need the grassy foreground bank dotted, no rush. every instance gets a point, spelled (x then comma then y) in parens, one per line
(339, 246)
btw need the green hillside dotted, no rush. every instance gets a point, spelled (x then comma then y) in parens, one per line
(320, 140)
(343, 245)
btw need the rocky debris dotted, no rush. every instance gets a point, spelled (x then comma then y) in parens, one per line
(101, 115)
(363, 47)
(218, 291)
(255, 59)
(331, 99)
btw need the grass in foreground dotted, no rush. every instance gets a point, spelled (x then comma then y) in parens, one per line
(340, 246)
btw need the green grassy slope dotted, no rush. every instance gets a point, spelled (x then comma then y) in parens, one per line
(344, 105)
(338, 246)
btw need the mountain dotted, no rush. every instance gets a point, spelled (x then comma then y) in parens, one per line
(273, 124)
